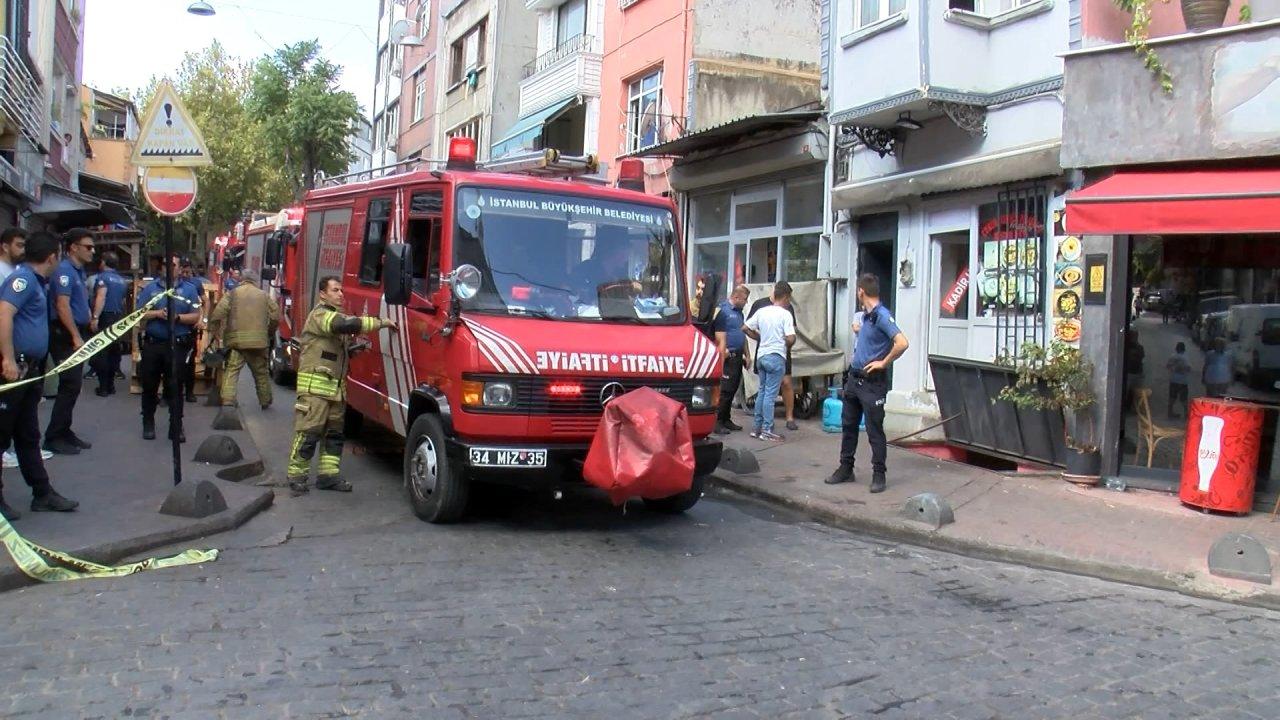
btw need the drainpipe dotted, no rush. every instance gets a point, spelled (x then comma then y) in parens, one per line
(829, 182)
(498, 7)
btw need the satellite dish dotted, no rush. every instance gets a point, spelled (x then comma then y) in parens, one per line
(399, 32)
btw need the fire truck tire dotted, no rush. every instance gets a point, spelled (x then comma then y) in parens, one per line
(677, 504)
(279, 368)
(437, 489)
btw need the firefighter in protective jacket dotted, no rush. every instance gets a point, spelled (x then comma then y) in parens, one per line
(244, 320)
(322, 385)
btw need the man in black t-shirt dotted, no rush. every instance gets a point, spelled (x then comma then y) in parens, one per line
(788, 395)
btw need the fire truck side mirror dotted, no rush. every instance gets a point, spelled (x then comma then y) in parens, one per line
(268, 274)
(397, 274)
(273, 250)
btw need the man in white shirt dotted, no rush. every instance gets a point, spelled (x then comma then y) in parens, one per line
(13, 248)
(775, 331)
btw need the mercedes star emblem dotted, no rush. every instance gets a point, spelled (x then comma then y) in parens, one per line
(611, 391)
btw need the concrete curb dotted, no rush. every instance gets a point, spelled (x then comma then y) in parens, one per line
(108, 553)
(243, 502)
(902, 531)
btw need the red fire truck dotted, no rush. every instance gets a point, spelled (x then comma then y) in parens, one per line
(243, 246)
(526, 300)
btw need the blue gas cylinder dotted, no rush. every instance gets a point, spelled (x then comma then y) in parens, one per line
(832, 411)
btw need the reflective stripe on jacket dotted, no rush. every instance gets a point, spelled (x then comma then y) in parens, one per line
(323, 369)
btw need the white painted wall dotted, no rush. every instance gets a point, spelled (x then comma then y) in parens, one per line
(1023, 124)
(874, 68)
(1018, 53)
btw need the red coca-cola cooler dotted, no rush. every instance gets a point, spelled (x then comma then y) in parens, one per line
(1220, 458)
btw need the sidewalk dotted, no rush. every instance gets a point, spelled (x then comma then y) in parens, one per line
(121, 484)
(1136, 537)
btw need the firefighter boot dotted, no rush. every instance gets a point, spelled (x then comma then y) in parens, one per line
(333, 482)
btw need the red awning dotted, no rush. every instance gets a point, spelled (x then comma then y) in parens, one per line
(1168, 202)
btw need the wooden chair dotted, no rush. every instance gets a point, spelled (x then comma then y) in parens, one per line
(1148, 431)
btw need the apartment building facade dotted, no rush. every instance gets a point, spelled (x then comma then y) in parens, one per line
(721, 100)
(946, 119)
(42, 141)
(419, 80)
(560, 88)
(484, 48)
(388, 88)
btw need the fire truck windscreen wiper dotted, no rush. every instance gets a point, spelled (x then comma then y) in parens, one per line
(530, 312)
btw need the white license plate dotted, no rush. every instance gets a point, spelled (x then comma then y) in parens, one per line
(504, 458)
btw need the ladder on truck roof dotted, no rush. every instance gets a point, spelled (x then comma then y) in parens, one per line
(549, 163)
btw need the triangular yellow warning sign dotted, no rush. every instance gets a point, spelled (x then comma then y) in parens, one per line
(169, 137)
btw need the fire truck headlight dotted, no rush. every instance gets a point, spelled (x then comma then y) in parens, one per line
(703, 397)
(499, 394)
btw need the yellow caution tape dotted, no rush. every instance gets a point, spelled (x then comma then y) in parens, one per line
(30, 558)
(95, 344)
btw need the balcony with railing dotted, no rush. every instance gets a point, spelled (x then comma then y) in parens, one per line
(571, 68)
(21, 98)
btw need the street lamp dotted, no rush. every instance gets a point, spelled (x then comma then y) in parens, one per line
(201, 8)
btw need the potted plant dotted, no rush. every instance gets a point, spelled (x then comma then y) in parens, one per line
(1058, 378)
(1204, 14)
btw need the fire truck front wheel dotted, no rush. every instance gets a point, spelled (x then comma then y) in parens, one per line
(278, 366)
(436, 485)
(677, 504)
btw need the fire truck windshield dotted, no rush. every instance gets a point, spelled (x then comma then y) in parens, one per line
(559, 256)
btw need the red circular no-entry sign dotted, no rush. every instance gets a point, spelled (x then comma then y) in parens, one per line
(170, 190)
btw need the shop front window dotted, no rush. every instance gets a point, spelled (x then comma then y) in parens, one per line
(760, 214)
(1203, 317)
(764, 260)
(800, 257)
(1009, 277)
(711, 215)
(712, 257)
(802, 203)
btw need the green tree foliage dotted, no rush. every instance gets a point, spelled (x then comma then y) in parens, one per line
(308, 119)
(213, 86)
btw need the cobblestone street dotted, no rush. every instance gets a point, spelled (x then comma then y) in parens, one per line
(577, 610)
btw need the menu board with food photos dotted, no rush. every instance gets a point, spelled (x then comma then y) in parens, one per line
(1068, 289)
(1010, 273)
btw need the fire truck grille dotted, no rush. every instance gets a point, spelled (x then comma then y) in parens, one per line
(574, 425)
(537, 395)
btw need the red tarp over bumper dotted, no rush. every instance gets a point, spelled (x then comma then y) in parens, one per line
(1155, 202)
(643, 448)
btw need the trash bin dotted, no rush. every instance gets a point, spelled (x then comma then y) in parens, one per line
(1220, 457)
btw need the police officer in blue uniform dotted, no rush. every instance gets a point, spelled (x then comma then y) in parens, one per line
(24, 343)
(880, 342)
(157, 364)
(108, 307)
(189, 372)
(733, 344)
(69, 319)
